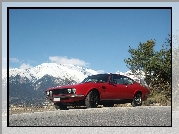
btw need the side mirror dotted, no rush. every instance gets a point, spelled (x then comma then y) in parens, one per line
(113, 82)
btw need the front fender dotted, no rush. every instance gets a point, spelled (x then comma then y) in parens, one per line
(90, 89)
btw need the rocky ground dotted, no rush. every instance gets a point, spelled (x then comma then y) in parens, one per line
(114, 116)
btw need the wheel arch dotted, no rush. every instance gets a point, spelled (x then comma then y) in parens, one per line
(94, 89)
(137, 91)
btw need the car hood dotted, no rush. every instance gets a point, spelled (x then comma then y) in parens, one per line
(62, 87)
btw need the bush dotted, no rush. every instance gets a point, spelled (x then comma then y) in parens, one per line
(158, 97)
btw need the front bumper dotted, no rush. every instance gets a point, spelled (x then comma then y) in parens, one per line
(65, 98)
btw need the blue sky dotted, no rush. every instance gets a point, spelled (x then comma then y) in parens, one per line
(95, 38)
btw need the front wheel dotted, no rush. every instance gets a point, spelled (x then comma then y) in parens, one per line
(137, 100)
(92, 99)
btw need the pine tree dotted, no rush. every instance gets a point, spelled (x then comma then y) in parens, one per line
(155, 64)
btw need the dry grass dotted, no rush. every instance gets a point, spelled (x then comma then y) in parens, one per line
(30, 109)
(156, 100)
(20, 109)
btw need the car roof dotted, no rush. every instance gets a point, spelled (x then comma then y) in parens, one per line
(106, 74)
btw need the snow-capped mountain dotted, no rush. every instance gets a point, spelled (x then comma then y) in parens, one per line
(31, 83)
(28, 85)
(58, 71)
(67, 71)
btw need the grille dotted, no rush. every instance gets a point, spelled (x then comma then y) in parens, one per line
(60, 91)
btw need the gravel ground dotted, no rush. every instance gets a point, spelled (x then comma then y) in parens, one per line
(115, 116)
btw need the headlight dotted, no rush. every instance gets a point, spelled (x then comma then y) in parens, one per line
(50, 93)
(74, 90)
(47, 92)
(69, 90)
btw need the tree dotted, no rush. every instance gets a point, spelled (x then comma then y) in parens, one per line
(139, 61)
(156, 65)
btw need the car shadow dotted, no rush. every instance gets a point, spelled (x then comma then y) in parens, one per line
(80, 107)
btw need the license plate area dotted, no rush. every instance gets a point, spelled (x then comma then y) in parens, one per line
(56, 99)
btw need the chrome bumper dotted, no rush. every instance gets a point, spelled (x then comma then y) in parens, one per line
(66, 96)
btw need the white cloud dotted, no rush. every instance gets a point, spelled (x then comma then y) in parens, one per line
(25, 66)
(14, 60)
(65, 60)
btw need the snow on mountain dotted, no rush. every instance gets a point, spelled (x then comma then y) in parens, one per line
(35, 80)
(58, 71)
(64, 71)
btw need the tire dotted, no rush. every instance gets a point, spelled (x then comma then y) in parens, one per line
(108, 105)
(60, 106)
(92, 99)
(137, 100)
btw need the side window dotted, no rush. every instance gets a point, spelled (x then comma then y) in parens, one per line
(118, 79)
(131, 81)
(128, 81)
(103, 78)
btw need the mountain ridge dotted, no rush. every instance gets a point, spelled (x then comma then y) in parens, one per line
(53, 69)
(28, 85)
(59, 71)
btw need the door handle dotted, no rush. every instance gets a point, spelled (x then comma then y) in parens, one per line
(103, 87)
(127, 86)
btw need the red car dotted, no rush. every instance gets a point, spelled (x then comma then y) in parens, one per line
(103, 89)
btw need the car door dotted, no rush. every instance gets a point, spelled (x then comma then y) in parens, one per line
(109, 89)
(104, 87)
(120, 89)
(115, 87)
(129, 87)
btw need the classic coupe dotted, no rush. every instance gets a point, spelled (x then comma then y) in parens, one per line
(100, 89)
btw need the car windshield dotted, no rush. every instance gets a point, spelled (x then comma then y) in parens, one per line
(96, 78)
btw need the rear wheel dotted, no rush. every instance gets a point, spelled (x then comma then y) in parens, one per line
(92, 99)
(60, 106)
(137, 100)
